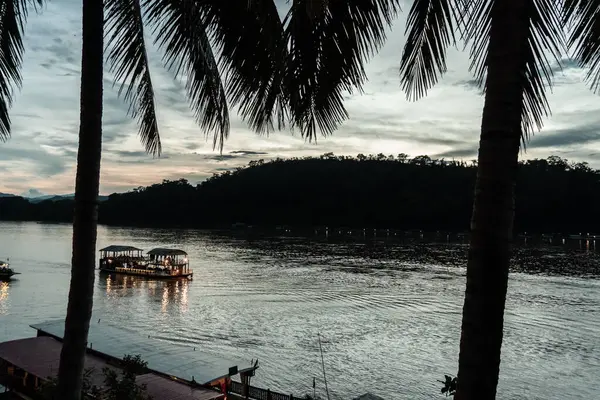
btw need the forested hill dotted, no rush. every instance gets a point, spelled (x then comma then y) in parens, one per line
(553, 195)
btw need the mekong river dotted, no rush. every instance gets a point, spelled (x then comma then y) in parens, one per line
(389, 315)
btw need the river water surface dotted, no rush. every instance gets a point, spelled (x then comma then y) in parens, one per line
(389, 316)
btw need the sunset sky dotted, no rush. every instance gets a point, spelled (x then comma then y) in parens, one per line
(40, 156)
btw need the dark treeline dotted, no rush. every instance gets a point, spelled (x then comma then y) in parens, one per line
(379, 191)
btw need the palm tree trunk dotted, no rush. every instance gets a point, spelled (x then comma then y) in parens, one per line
(493, 208)
(81, 291)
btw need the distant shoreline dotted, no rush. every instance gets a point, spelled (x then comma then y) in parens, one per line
(346, 234)
(366, 192)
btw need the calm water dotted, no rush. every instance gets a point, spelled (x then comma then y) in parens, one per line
(389, 317)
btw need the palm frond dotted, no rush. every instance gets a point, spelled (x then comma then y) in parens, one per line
(430, 29)
(181, 33)
(13, 15)
(584, 38)
(249, 38)
(329, 43)
(545, 36)
(128, 60)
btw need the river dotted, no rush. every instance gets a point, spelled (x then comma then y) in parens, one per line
(389, 316)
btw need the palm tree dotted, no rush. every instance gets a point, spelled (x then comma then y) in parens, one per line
(241, 32)
(252, 42)
(181, 34)
(296, 71)
(513, 43)
(13, 16)
(87, 183)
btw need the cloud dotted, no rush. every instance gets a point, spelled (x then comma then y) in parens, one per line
(248, 153)
(130, 153)
(42, 163)
(220, 157)
(461, 154)
(576, 135)
(42, 152)
(469, 84)
(243, 154)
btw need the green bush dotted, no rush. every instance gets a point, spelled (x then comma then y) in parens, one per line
(118, 385)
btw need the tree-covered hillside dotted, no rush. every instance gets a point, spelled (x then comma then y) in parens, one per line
(380, 191)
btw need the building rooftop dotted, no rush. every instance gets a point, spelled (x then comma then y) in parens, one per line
(162, 388)
(40, 356)
(162, 356)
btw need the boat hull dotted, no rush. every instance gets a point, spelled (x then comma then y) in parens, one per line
(147, 274)
(7, 276)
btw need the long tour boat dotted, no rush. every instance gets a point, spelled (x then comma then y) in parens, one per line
(6, 272)
(159, 263)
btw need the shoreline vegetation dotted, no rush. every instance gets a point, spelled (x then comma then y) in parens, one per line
(380, 192)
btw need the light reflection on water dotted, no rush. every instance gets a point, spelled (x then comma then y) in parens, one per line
(4, 300)
(389, 317)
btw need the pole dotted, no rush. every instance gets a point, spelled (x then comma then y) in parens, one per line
(323, 365)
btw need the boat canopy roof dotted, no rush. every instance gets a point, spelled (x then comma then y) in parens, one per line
(116, 248)
(167, 252)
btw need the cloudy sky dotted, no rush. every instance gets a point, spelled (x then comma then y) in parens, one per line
(40, 156)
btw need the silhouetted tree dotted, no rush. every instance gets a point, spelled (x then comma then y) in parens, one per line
(402, 157)
(182, 29)
(87, 183)
(511, 44)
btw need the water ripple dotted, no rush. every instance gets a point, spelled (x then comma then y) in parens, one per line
(389, 316)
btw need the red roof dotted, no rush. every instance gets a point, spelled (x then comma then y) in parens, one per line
(40, 356)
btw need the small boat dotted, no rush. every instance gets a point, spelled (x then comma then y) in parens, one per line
(157, 263)
(6, 272)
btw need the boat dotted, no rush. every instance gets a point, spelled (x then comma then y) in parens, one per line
(159, 263)
(6, 272)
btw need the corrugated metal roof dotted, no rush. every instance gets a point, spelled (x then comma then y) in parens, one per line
(167, 252)
(162, 356)
(40, 356)
(162, 388)
(116, 247)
